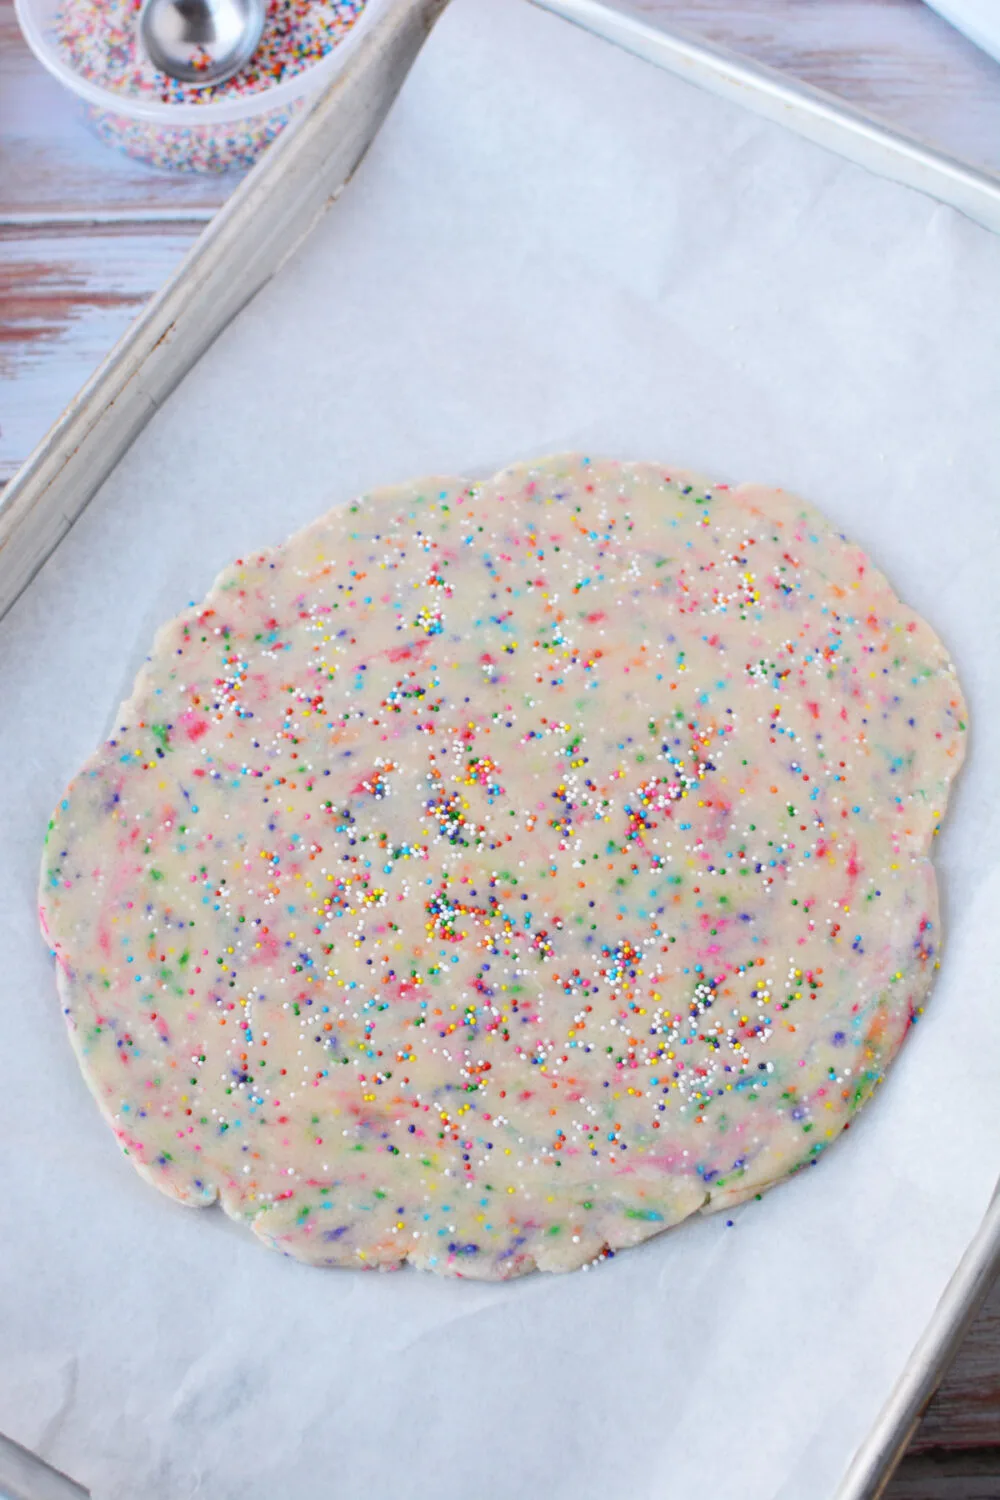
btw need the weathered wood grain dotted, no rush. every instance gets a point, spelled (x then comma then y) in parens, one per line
(944, 1475)
(64, 300)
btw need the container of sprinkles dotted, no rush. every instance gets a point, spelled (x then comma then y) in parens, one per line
(92, 46)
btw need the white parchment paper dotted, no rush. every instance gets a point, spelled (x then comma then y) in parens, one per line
(552, 245)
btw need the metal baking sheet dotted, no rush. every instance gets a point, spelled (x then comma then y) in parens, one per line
(58, 477)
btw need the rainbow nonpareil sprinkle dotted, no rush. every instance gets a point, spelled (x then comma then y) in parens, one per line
(497, 874)
(215, 147)
(99, 39)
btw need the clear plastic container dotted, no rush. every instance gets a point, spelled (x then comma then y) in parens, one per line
(210, 137)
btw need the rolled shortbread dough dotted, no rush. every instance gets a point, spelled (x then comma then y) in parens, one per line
(497, 873)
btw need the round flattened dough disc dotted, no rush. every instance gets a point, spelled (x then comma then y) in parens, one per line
(500, 872)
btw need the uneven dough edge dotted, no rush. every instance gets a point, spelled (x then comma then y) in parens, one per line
(777, 506)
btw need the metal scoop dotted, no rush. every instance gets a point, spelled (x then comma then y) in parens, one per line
(201, 41)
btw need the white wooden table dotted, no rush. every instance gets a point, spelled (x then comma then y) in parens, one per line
(86, 236)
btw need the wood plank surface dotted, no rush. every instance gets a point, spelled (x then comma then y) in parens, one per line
(86, 235)
(965, 1413)
(946, 1475)
(64, 300)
